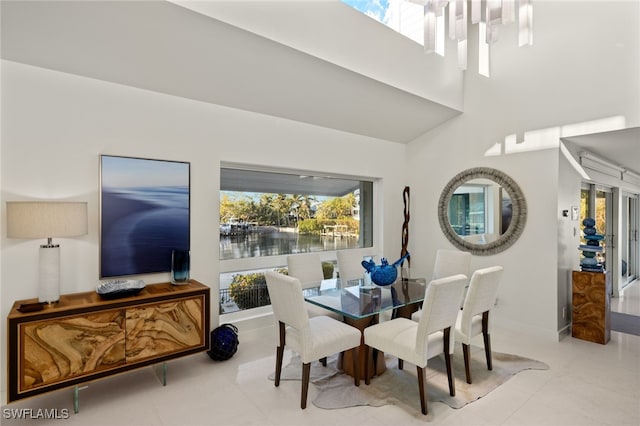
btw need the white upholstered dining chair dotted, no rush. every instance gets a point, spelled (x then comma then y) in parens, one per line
(312, 338)
(417, 342)
(451, 262)
(448, 263)
(474, 317)
(307, 267)
(350, 263)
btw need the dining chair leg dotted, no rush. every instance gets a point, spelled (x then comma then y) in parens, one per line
(323, 361)
(366, 364)
(467, 368)
(279, 356)
(400, 364)
(356, 366)
(306, 372)
(280, 352)
(487, 339)
(447, 360)
(374, 358)
(421, 386)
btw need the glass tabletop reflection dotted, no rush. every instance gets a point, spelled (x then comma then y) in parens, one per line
(355, 300)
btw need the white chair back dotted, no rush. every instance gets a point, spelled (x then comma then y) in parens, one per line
(482, 293)
(451, 262)
(350, 263)
(441, 306)
(306, 267)
(287, 300)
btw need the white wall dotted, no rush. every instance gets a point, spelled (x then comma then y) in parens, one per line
(583, 67)
(55, 125)
(569, 232)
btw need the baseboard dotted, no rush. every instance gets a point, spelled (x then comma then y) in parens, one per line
(250, 320)
(564, 332)
(510, 324)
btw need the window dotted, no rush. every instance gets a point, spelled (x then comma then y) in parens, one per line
(266, 213)
(404, 17)
(629, 240)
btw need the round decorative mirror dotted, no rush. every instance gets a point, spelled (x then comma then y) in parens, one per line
(482, 211)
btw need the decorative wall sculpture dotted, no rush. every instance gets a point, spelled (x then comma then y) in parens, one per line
(405, 225)
(589, 262)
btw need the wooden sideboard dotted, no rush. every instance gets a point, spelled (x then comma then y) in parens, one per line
(84, 337)
(591, 316)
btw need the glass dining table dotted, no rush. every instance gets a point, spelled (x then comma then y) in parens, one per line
(361, 306)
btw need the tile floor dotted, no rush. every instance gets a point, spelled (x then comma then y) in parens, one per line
(587, 384)
(629, 300)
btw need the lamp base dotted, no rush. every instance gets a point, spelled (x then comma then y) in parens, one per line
(49, 274)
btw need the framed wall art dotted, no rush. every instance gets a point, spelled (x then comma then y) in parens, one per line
(144, 214)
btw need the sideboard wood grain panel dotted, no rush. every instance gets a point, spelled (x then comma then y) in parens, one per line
(163, 328)
(84, 337)
(57, 350)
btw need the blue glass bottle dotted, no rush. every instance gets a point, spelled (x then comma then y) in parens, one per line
(179, 267)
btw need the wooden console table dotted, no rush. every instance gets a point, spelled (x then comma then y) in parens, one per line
(84, 337)
(591, 317)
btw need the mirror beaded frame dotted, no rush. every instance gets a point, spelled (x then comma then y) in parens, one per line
(518, 220)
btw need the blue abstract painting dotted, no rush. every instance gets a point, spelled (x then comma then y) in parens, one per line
(144, 214)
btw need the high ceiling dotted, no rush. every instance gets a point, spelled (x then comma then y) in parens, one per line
(164, 47)
(253, 58)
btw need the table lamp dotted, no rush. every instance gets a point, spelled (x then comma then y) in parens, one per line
(47, 219)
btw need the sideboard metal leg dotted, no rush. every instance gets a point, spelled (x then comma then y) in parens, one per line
(76, 397)
(161, 372)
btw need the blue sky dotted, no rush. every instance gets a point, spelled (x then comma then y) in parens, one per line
(374, 8)
(137, 172)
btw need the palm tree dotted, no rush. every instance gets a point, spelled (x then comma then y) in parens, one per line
(305, 206)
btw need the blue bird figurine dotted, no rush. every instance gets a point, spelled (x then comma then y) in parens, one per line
(383, 274)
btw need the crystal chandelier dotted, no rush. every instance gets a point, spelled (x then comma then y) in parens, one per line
(488, 14)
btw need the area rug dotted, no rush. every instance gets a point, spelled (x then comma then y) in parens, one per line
(625, 323)
(400, 387)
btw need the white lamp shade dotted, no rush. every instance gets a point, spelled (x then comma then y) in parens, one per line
(46, 219)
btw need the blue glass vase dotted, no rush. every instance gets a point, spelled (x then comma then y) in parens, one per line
(179, 267)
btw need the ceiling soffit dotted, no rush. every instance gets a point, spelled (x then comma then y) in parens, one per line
(232, 179)
(620, 147)
(339, 34)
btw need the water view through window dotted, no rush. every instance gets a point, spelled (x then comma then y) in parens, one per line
(264, 213)
(276, 242)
